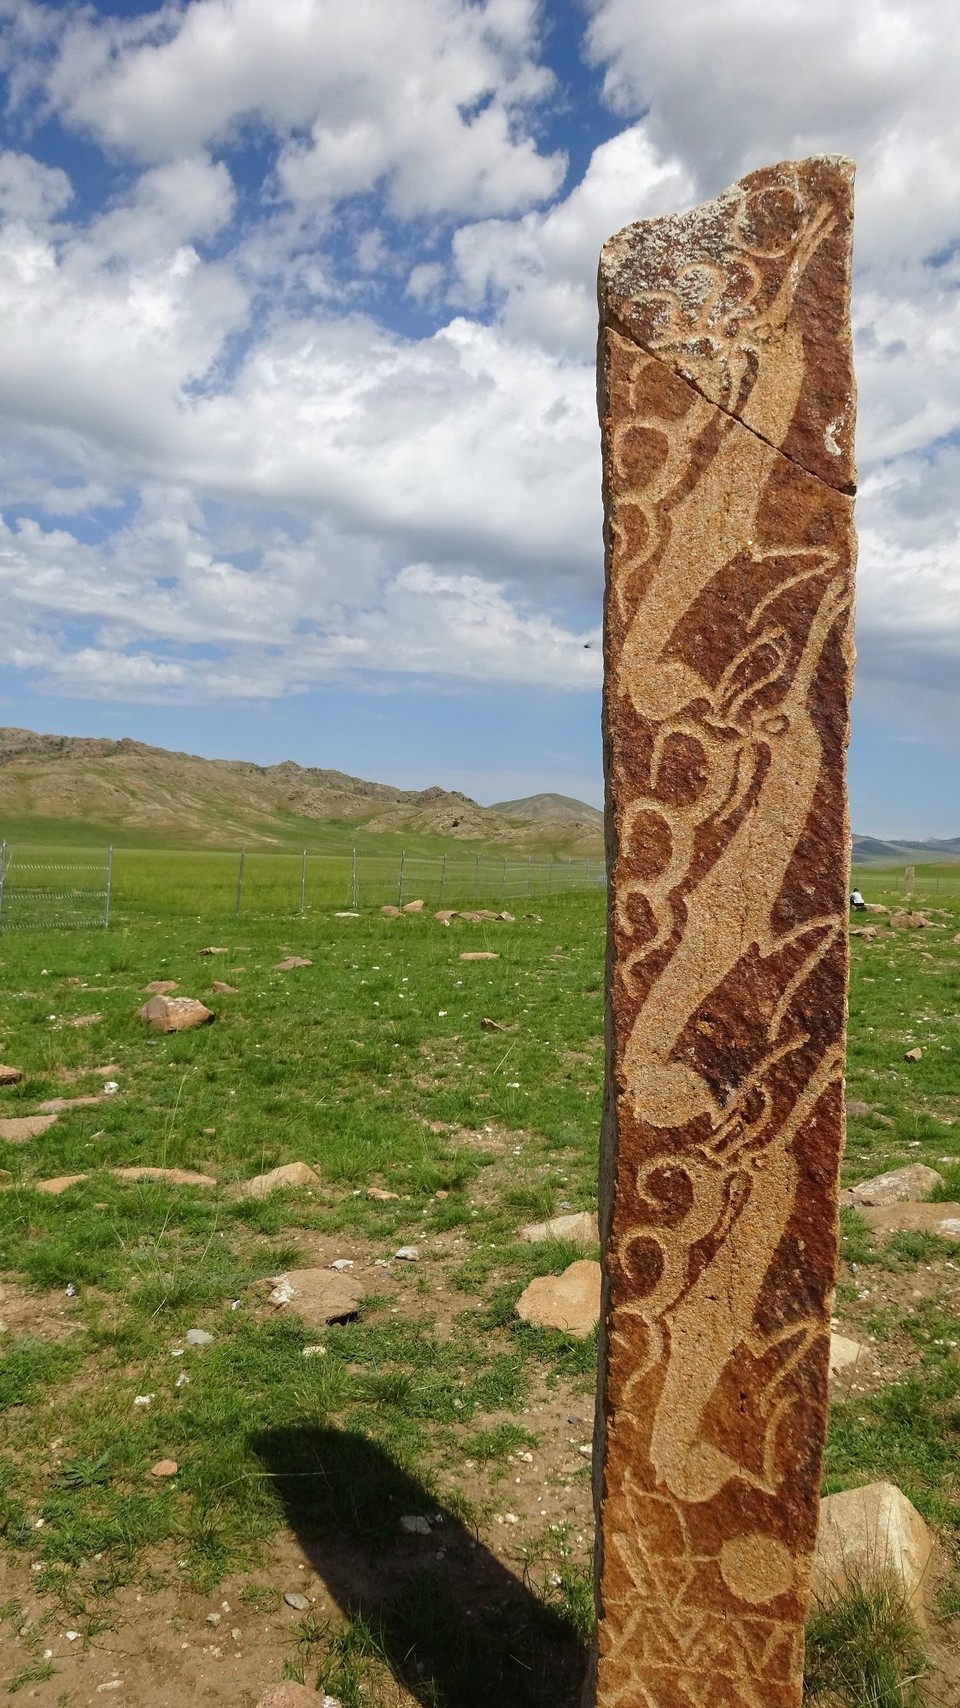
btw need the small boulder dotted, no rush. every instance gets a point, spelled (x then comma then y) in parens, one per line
(581, 1227)
(479, 955)
(56, 1105)
(380, 1195)
(299, 1603)
(174, 1013)
(857, 1110)
(494, 1026)
(868, 1534)
(10, 1075)
(877, 907)
(319, 1296)
(412, 907)
(292, 962)
(390, 912)
(903, 920)
(160, 987)
(17, 1129)
(898, 1186)
(290, 1174)
(914, 1055)
(212, 949)
(164, 1468)
(445, 915)
(86, 1019)
(570, 1301)
(221, 989)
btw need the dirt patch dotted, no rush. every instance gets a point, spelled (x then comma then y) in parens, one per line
(48, 1316)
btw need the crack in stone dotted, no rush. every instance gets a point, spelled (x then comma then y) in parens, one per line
(619, 326)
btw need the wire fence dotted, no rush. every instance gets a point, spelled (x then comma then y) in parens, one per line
(122, 885)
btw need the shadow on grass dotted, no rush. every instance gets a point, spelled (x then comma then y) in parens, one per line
(457, 1629)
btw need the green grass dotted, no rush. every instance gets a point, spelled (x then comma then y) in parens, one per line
(865, 1651)
(372, 1065)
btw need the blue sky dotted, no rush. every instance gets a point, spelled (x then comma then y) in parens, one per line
(298, 445)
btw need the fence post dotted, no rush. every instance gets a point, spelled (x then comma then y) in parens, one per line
(403, 856)
(503, 879)
(354, 890)
(303, 881)
(3, 871)
(240, 881)
(108, 887)
(443, 873)
(476, 877)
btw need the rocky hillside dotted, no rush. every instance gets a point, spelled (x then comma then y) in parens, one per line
(219, 802)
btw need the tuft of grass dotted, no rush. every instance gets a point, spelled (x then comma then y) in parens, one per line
(863, 1650)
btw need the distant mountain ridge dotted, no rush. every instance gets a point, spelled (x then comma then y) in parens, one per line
(550, 809)
(867, 848)
(132, 785)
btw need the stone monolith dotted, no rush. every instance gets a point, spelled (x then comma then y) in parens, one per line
(727, 410)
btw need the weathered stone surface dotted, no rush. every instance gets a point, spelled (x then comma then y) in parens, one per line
(903, 920)
(581, 1227)
(319, 1296)
(914, 1055)
(898, 1186)
(160, 987)
(412, 907)
(174, 1013)
(940, 1219)
(291, 963)
(10, 1075)
(59, 1183)
(846, 1356)
(56, 1105)
(290, 1174)
(727, 405)
(479, 955)
(17, 1129)
(867, 1534)
(570, 1301)
(172, 1176)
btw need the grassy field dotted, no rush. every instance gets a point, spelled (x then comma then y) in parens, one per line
(372, 1065)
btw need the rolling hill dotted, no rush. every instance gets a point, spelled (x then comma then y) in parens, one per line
(133, 792)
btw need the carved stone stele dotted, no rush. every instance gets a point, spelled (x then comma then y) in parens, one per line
(727, 411)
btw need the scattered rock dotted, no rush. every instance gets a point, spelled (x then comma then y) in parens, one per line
(846, 1356)
(390, 912)
(10, 1075)
(570, 1301)
(914, 1055)
(412, 907)
(479, 955)
(290, 1174)
(59, 1183)
(222, 989)
(346, 915)
(445, 915)
(161, 987)
(289, 1695)
(898, 1186)
(469, 918)
(212, 950)
(865, 1534)
(381, 1196)
(164, 1468)
(198, 1337)
(293, 1598)
(940, 1219)
(581, 1227)
(856, 1109)
(867, 932)
(17, 1129)
(902, 920)
(173, 1176)
(535, 918)
(319, 1296)
(55, 1105)
(174, 1013)
(86, 1019)
(876, 907)
(494, 1026)
(408, 1254)
(291, 962)
(508, 918)
(414, 1524)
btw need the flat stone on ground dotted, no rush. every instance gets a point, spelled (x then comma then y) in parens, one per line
(56, 1105)
(898, 1185)
(319, 1296)
(221, 989)
(160, 987)
(846, 1356)
(479, 955)
(856, 1109)
(174, 1013)
(412, 907)
(213, 949)
(570, 1301)
(291, 962)
(940, 1219)
(581, 1227)
(172, 1176)
(58, 1184)
(866, 1534)
(289, 1174)
(17, 1129)
(10, 1075)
